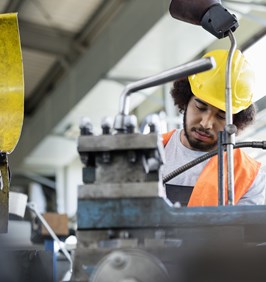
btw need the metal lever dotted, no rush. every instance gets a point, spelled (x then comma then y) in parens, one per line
(166, 76)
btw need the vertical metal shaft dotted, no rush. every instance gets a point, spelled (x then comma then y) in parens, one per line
(221, 194)
(229, 121)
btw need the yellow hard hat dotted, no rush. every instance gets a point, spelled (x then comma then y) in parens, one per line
(209, 86)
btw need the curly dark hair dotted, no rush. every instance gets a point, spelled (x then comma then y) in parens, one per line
(181, 93)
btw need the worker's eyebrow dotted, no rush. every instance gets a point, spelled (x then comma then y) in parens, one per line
(206, 105)
(201, 102)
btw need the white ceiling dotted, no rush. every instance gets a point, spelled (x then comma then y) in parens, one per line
(59, 14)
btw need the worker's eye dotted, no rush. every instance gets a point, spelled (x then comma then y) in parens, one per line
(201, 109)
(221, 116)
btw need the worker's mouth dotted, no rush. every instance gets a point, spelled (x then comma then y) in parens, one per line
(201, 135)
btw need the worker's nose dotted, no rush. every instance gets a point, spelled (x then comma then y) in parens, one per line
(207, 121)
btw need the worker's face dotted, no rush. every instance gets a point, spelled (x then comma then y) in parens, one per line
(202, 122)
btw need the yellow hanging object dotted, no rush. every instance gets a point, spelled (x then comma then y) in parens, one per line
(11, 83)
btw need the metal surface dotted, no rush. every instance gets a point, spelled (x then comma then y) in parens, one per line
(118, 190)
(121, 159)
(190, 262)
(230, 136)
(11, 83)
(128, 213)
(221, 191)
(26, 265)
(115, 212)
(166, 76)
(130, 266)
(121, 142)
(11, 103)
(116, 167)
(4, 193)
(176, 236)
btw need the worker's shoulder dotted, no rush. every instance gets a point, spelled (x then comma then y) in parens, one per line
(167, 135)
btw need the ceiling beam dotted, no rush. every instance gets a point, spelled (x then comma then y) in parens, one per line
(99, 21)
(67, 47)
(133, 21)
(45, 39)
(13, 6)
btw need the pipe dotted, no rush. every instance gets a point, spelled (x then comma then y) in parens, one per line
(221, 190)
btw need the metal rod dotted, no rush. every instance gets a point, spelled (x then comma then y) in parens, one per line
(221, 194)
(185, 70)
(163, 77)
(230, 137)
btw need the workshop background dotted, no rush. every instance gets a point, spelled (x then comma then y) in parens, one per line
(78, 56)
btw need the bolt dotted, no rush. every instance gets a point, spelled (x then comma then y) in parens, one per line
(118, 260)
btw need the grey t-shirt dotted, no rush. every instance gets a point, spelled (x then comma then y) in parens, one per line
(176, 155)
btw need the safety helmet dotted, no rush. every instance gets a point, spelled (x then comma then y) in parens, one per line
(209, 86)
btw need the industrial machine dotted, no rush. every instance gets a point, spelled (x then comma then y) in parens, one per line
(128, 231)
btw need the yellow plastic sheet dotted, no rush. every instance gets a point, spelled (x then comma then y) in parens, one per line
(11, 83)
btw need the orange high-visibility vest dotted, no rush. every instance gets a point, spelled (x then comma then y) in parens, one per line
(205, 192)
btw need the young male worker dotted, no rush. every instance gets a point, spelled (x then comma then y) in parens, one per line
(201, 98)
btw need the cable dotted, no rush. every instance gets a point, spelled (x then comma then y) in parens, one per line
(181, 169)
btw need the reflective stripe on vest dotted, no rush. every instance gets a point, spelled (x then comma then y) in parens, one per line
(205, 192)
